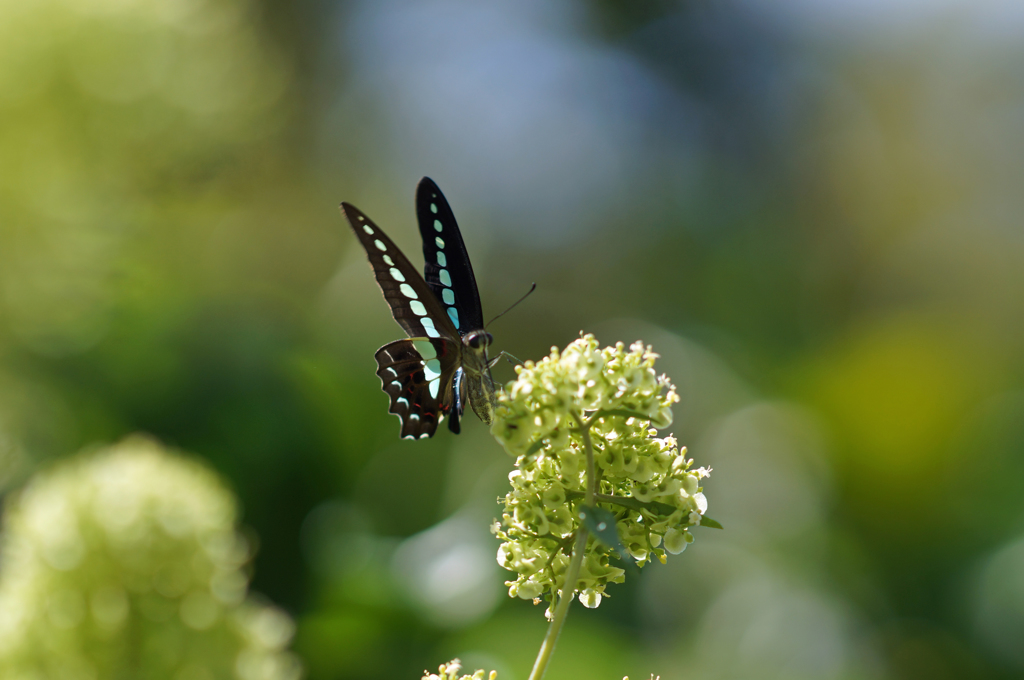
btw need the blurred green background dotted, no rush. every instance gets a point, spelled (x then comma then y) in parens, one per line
(812, 210)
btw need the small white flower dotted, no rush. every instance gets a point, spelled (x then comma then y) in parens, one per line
(590, 599)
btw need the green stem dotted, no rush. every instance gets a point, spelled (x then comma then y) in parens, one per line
(547, 647)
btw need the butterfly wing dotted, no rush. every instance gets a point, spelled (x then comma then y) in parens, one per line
(447, 270)
(412, 302)
(417, 374)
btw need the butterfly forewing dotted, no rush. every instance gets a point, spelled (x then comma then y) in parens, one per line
(447, 270)
(417, 375)
(412, 302)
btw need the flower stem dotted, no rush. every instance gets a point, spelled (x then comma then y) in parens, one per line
(547, 647)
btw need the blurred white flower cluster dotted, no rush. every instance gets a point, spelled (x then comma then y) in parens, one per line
(126, 563)
(450, 671)
(610, 396)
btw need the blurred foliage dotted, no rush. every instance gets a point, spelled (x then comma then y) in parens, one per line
(811, 210)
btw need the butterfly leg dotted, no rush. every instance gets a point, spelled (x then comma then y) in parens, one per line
(504, 355)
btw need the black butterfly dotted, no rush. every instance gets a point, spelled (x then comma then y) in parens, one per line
(444, 361)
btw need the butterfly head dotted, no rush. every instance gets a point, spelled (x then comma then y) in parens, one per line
(478, 341)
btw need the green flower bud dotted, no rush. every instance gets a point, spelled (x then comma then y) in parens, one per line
(527, 590)
(676, 540)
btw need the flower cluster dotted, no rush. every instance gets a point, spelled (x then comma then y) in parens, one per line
(450, 671)
(605, 399)
(127, 563)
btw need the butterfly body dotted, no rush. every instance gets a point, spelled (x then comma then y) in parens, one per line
(476, 365)
(443, 363)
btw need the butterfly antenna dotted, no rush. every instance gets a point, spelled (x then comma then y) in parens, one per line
(533, 287)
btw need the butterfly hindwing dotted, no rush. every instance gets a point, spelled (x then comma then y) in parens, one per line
(447, 270)
(417, 374)
(412, 302)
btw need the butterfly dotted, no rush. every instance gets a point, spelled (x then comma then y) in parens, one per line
(443, 363)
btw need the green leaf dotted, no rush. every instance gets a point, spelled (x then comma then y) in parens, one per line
(708, 522)
(601, 524)
(654, 507)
